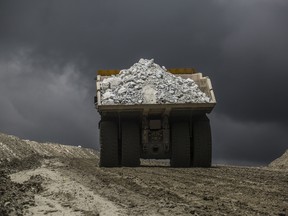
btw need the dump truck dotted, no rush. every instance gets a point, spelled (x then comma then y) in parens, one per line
(177, 131)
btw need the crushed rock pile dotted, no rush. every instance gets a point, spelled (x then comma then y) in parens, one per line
(148, 83)
(281, 162)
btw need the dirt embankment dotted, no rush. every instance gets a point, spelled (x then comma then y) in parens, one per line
(18, 158)
(281, 162)
(12, 147)
(47, 185)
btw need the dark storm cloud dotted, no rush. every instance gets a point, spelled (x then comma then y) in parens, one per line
(244, 143)
(37, 103)
(255, 62)
(49, 51)
(102, 31)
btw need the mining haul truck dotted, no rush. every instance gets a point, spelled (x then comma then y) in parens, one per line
(179, 132)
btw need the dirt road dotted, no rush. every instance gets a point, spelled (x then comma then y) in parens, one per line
(53, 179)
(77, 186)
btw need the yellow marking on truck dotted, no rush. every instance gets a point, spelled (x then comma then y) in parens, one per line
(182, 70)
(107, 72)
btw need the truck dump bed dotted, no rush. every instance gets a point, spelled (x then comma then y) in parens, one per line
(203, 83)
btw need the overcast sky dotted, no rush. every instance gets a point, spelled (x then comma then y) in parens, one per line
(50, 50)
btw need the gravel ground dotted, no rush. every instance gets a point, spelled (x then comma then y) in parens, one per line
(160, 190)
(42, 185)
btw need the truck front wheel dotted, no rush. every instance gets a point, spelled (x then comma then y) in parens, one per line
(130, 144)
(109, 144)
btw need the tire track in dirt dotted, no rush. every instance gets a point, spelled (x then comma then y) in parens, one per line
(138, 199)
(171, 191)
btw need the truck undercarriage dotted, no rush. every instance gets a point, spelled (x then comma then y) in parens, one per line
(183, 136)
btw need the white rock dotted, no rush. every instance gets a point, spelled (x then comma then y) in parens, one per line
(149, 94)
(105, 86)
(122, 90)
(115, 82)
(108, 95)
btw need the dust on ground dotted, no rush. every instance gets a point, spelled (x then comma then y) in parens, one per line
(47, 185)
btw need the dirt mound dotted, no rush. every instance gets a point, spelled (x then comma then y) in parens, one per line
(281, 162)
(18, 157)
(13, 148)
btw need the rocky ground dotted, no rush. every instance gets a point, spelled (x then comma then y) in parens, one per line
(41, 184)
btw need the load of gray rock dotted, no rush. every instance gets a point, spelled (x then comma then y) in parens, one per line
(148, 83)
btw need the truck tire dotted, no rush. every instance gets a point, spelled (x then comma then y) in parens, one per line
(180, 144)
(130, 144)
(109, 144)
(202, 143)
